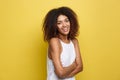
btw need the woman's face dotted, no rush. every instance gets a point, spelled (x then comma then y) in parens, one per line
(63, 25)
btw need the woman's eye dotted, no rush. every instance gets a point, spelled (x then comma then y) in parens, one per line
(67, 20)
(58, 23)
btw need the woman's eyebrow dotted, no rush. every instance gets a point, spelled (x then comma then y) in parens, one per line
(61, 21)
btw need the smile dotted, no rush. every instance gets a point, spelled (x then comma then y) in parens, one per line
(65, 29)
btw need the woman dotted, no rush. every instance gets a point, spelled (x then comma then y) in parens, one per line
(60, 28)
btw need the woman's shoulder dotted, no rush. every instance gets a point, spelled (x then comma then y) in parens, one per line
(54, 40)
(54, 44)
(75, 41)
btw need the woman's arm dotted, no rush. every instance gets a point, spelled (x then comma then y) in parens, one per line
(79, 63)
(55, 50)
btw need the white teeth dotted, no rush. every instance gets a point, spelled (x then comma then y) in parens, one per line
(65, 29)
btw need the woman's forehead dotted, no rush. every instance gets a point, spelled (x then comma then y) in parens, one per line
(61, 17)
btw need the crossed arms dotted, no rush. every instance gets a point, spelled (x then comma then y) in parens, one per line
(54, 52)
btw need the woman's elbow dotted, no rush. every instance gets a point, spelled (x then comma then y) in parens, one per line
(60, 74)
(80, 68)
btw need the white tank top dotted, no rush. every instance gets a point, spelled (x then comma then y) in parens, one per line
(67, 57)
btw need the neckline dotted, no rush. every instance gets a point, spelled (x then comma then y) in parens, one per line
(64, 42)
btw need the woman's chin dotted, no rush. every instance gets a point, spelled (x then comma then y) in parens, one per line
(65, 34)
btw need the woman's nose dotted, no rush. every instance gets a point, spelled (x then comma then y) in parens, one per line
(64, 24)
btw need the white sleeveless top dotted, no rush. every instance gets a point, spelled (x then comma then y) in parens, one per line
(67, 57)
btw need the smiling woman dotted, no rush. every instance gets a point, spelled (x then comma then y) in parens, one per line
(63, 25)
(60, 28)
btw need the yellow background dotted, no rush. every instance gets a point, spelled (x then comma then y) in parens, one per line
(23, 51)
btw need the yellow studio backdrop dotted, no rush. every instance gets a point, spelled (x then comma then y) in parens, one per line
(23, 51)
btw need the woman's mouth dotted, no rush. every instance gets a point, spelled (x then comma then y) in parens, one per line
(65, 29)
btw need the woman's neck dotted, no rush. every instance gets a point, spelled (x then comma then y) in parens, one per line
(64, 38)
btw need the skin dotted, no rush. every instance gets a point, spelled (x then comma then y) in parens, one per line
(55, 49)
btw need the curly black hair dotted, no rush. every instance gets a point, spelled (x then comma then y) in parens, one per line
(50, 23)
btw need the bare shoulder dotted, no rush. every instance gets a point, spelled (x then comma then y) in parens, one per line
(54, 43)
(75, 41)
(54, 47)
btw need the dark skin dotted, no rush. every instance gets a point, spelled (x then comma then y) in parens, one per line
(55, 50)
